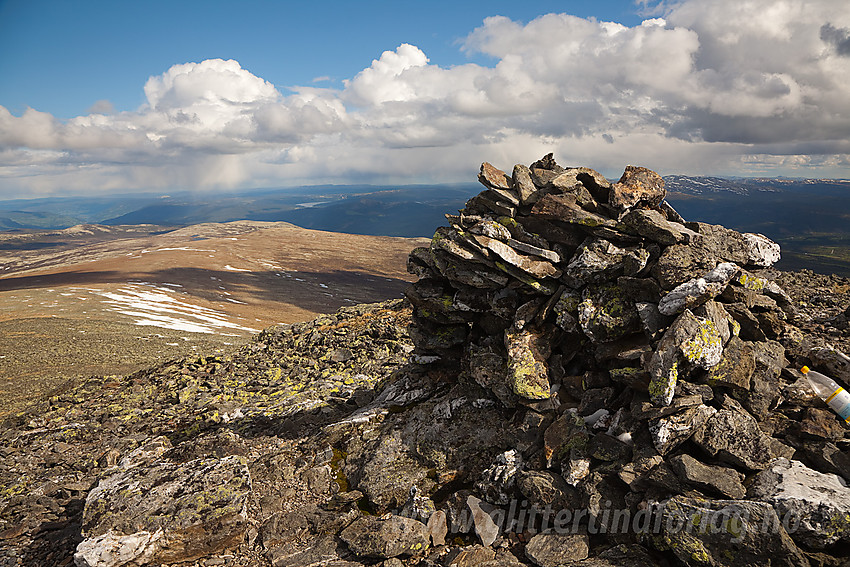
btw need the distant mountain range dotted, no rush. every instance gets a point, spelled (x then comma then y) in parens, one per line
(808, 217)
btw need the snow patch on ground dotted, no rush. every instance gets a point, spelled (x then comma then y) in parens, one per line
(160, 307)
(232, 269)
(185, 248)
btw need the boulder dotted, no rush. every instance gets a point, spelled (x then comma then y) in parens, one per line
(165, 512)
(727, 533)
(817, 505)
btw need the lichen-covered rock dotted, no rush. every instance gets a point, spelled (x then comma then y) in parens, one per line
(689, 339)
(386, 476)
(369, 536)
(165, 512)
(734, 437)
(546, 488)
(528, 373)
(671, 431)
(597, 260)
(736, 366)
(727, 533)
(680, 263)
(606, 313)
(817, 504)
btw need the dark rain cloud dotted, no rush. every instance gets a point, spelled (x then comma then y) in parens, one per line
(838, 37)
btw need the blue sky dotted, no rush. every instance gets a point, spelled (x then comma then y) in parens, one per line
(61, 56)
(97, 97)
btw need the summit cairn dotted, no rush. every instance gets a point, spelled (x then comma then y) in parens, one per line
(652, 353)
(554, 277)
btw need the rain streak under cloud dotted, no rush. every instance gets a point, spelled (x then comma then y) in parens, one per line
(723, 87)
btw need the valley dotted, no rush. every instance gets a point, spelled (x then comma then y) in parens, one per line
(112, 300)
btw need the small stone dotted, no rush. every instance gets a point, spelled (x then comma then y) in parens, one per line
(680, 263)
(764, 388)
(550, 549)
(723, 481)
(564, 208)
(748, 324)
(637, 185)
(438, 528)
(689, 338)
(534, 250)
(528, 193)
(722, 273)
(651, 319)
(534, 267)
(761, 251)
(717, 314)
(493, 177)
(565, 442)
(597, 260)
(687, 295)
(606, 314)
(833, 361)
(484, 203)
(470, 556)
(566, 310)
(721, 242)
(653, 225)
(545, 488)
(318, 479)
(498, 481)
(822, 424)
(486, 529)
(492, 229)
(671, 431)
(417, 507)
(608, 448)
(476, 276)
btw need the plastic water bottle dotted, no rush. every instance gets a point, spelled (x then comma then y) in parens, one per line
(828, 389)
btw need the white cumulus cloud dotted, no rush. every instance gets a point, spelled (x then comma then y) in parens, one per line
(728, 86)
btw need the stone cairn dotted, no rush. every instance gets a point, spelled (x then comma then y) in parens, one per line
(651, 352)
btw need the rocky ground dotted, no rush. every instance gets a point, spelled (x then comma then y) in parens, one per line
(358, 439)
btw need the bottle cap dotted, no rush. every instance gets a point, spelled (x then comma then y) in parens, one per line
(804, 370)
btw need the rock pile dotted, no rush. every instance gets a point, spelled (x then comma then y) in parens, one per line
(652, 353)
